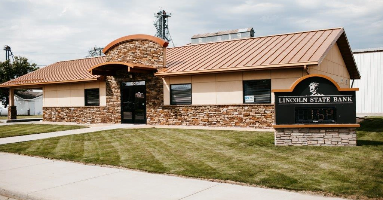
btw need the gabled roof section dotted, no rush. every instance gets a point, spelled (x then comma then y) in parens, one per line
(277, 51)
(347, 55)
(60, 72)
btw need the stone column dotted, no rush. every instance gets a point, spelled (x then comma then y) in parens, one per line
(12, 112)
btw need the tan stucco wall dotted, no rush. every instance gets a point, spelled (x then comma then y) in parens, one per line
(71, 94)
(333, 66)
(227, 88)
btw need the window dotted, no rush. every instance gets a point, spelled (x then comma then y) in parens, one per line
(257, 91)
(92, 97)
(180, 94)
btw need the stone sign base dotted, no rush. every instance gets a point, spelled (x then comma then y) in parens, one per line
(315, 136)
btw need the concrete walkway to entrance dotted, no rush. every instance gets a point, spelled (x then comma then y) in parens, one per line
(24, 177)
(94, 128)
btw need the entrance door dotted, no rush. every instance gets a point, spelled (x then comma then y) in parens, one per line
(133, 102)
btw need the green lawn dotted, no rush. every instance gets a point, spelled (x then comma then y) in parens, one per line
(2, 117)
(28, 129)
(247, 157)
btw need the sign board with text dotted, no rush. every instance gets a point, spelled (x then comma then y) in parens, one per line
(315, 99)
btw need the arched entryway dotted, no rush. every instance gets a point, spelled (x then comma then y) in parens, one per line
(132, 90)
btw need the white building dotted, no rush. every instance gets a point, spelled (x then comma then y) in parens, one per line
(369, 99)
(28, 102)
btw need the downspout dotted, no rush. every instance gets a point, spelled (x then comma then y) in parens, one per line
(306, 69)
(352, 84)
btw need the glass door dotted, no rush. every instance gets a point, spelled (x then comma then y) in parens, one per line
(133, 102)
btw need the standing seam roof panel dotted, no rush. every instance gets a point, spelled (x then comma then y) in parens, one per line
(288, 49)
(214, 54)
(325, 45)
(262, 50)
(280, 50)
(170, 61)
(298, 47)
(199, 55)
(181, 59)
(222, 56)
(272, 51)
(297, 57)
(315, 46)
(256, 60)
(233, 57)
(251, 51)
(256, 51)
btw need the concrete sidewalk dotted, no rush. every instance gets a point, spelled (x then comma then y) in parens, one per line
(63, 133)
(24, 177)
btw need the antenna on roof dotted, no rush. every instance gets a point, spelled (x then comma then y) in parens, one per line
(8, 52)
(161, 24)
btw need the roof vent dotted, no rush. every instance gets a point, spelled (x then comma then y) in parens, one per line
(222, 36)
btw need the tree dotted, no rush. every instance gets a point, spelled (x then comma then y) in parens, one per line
(11, 70)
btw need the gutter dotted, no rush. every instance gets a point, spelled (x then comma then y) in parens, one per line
(237, 69)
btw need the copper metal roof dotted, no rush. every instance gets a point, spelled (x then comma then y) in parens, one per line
(276, 51)
(284, 50)
(64, 71)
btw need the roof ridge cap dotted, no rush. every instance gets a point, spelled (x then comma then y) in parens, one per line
(257, 37)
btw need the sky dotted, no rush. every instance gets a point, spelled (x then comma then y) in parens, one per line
(48, 31)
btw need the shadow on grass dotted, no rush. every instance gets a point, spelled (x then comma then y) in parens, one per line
(369, 143)
(372, 124)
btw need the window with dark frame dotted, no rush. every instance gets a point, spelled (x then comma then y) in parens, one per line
(92, 97)
(257, 91)
(180, 94)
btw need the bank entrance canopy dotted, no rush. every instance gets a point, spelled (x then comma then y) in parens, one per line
(113, 68)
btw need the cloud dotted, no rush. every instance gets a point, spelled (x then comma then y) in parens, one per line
(252, 7)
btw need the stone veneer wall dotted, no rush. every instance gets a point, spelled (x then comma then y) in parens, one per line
(138, 51)
(80, 115)
(154, 93)
(111, 113)
(315, 137)
(256, 116)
